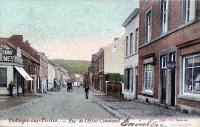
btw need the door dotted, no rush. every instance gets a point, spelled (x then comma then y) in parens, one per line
(163, 78)
(172, 58)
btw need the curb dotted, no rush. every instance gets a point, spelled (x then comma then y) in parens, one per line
(114, 110)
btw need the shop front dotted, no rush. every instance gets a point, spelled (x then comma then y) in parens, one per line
(188, 86)
(11, 69)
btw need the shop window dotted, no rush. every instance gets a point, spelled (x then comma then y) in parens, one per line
(3, 77)
(148, 77)
(191, 75)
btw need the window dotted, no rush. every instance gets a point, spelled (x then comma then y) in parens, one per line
(189, 10)
(127, 46)
(172, 57)
(148, 26)
(191, 75)
(136, 70)
(3, 77)
(129, 79)
(114, 49)
(131, 43)
(164, 8)
(148, 77)
(100, 65)
(136, 40)
(164, 62)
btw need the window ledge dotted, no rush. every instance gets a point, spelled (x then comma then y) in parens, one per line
(190, 97)
(126, 57)
(147, 92)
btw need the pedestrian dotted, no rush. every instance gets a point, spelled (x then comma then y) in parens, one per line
(10, 88)
(86, 91)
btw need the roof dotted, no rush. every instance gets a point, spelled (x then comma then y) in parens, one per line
(17, 40)
(131, 17)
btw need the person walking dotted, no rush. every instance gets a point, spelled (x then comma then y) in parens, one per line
(86, 91)
(10, 87)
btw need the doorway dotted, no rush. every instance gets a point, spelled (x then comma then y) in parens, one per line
(172, 78)
(163, 78)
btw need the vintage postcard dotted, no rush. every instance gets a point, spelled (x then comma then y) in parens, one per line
(100, 63)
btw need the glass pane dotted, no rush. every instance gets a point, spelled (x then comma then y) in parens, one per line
(188, 80)
(197, 61)
(189, 62)
(196, 83)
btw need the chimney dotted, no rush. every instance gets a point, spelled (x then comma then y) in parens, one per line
(116, 38)
(27, 42)
(16, 38)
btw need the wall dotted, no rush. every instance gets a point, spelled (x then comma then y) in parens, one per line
(114, 61)
(51, 76)
(131, 61)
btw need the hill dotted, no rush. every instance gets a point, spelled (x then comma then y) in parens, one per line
(73, 66)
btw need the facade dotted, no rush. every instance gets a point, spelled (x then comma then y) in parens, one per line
(169, 54)
(131, 42)
(89, 78)
(31, 63)
(61, 75)
(98, 70)
(43, 71)
(51, 75)
(11, 68)
(114, 57)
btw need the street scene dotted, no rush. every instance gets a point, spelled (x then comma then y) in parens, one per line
(100, 63)
(65, 105)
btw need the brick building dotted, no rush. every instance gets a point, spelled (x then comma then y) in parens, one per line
(98, 70)
(169, 53)
(31, 62)
(11, 68)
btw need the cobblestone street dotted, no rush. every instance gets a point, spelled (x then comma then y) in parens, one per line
(73, 105)
(60, 105)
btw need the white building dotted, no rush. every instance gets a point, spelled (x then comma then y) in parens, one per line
(114, 57)
(51, 74)
(131, 25)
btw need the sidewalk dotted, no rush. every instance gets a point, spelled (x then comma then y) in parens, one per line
(136, 110)
(8, 101)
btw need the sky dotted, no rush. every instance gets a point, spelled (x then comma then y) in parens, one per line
(65, 29)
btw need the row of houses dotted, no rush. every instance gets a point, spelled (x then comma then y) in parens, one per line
(29, 69)
(160, 58)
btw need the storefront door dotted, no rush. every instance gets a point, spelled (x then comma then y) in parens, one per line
(172, 78)
(163, 78)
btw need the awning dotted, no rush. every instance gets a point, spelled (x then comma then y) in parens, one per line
(23, 73)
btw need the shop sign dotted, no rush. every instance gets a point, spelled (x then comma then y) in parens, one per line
(6, 54)
(149, 60)
(171, 65)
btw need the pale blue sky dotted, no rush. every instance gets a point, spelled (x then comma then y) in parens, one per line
(67, 29)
